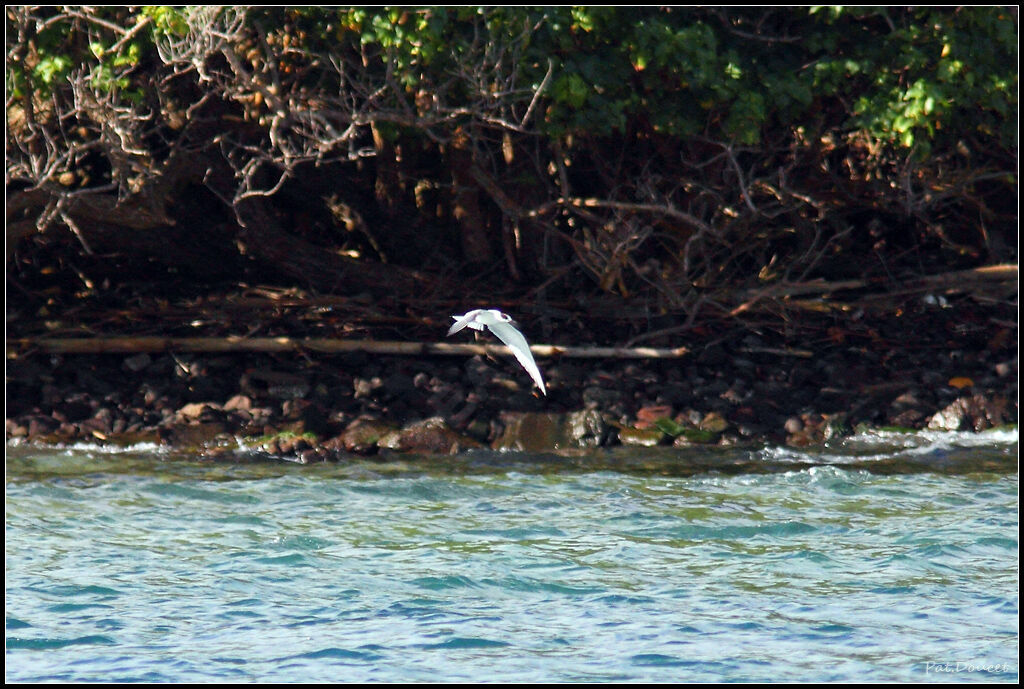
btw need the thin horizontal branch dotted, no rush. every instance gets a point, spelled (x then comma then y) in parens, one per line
(972, 280)
(956, 280)
(132, 345)
(654, 208)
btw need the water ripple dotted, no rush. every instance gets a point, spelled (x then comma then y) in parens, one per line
(368, 574)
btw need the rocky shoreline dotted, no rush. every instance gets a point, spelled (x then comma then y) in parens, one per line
(313, 408)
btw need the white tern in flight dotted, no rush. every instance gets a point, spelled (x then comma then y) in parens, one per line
(501, 325)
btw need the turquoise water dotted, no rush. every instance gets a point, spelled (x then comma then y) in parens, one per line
(626, 566)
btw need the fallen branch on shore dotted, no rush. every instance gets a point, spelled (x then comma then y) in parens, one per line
(133, 345)
(1001, 279)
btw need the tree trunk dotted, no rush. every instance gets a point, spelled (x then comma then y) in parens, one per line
(476, 246)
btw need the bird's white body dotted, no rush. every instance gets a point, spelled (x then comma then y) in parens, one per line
(501, 325)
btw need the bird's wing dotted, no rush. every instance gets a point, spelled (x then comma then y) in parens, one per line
(462, 321)
(517, 343)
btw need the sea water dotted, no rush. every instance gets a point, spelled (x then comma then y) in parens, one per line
(885, 558)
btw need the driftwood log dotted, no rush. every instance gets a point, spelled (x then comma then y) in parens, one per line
(128, 344)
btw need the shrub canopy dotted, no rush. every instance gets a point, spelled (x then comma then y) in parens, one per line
(666, 153)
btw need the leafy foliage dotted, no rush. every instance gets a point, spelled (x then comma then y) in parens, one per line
(671, 151)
